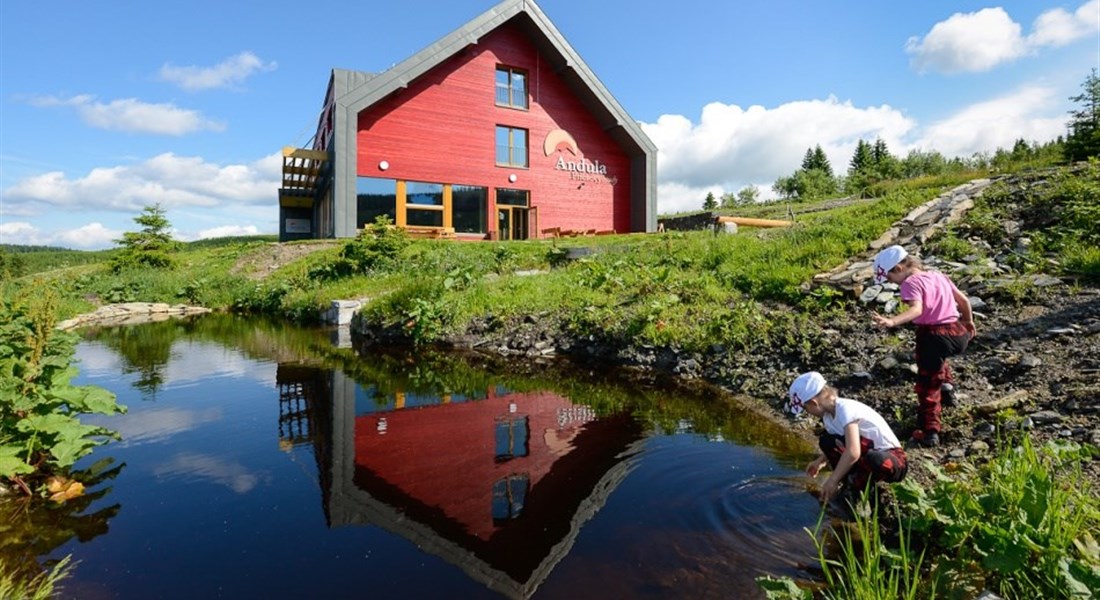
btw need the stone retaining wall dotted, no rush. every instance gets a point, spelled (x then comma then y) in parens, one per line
(910, 232)
(131, 313)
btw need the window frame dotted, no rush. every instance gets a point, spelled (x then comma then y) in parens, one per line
(512, 147)
(510, 86)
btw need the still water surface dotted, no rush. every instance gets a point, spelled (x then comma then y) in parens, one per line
(264, 461)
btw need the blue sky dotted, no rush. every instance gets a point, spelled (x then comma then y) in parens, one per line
(106, 107)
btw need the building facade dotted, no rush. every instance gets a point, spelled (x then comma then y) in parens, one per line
(497, 131)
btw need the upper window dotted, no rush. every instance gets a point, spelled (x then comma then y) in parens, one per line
(511, 87)
(511, 146)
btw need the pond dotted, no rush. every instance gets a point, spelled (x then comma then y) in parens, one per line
(259, 460)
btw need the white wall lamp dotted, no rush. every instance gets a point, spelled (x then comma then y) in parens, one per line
(512, 178)
(383, 165)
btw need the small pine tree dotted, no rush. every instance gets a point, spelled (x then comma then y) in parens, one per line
(710, 203)
(150, 247)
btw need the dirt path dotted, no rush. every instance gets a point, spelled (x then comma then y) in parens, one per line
(263, 261)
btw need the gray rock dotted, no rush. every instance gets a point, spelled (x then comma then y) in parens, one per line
(957, 453)
(978, 447)
(888, 363)
(1044, 417)
(1045, 281)
(1030, 361)
(884, 297)
(870, 293)
(977, 303)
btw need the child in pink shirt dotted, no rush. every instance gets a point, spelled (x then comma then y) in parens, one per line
(945, 325)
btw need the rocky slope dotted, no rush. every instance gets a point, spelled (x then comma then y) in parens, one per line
(1034, 365)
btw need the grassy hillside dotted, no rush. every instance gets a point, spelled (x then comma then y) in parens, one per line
(689, 290)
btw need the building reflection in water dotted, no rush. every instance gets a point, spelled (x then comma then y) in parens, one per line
(499, 485)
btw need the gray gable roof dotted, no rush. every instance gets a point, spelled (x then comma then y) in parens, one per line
(356, 91)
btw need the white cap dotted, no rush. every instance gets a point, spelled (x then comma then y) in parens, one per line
(804, 388)
(886, 260)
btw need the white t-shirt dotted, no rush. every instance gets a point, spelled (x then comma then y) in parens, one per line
(871, 424)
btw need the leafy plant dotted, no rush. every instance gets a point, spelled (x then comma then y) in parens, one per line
(40, 430)
(1031, 534)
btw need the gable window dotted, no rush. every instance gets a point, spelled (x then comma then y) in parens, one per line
(511, 146)
(511, 87)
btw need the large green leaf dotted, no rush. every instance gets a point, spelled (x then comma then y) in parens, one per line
(10, 463)
(67, 451)
(87, 399)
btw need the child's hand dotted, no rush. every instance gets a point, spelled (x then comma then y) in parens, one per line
(969, 325)
(813, 469)
(829, 489)
(881, 321)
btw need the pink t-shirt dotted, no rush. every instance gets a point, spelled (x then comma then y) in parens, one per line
(936, 294)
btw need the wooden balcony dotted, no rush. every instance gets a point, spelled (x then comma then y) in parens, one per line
(304, 173)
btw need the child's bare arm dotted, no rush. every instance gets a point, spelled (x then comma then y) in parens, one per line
(850, 457)
(966, 313)
(910, 313)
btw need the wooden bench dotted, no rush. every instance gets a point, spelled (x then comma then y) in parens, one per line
(430, 233)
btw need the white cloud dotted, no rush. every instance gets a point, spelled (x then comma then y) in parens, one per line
(173, 181)
(213, 469)
(92, 235)
(231, 71)
(134, 116)
(731, 147)
(87, 237)
(982, 40)
(1032, 113)
(1057, 27)
(228, 230)
(18, 232)
(975, 41)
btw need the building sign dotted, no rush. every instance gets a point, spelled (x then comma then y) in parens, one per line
(298, 226)
(569, 160)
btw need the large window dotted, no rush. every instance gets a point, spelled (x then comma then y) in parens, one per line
(424, 204)
(375, 197)
(469, 205)
(511, 87)
(511, 146)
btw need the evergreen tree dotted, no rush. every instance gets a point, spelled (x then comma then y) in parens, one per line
(710, 203)
(816, 160)
(886, 166)
(862, 160)
(1083, 139)
(150, 247)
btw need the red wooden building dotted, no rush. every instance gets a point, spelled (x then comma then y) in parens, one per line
(497, 131)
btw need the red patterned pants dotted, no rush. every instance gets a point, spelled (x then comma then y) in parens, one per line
(935, 344)
(877, 465)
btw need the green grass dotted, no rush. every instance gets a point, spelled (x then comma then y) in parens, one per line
(41, 586)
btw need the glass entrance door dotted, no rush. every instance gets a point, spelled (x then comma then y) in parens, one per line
(512, 222)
